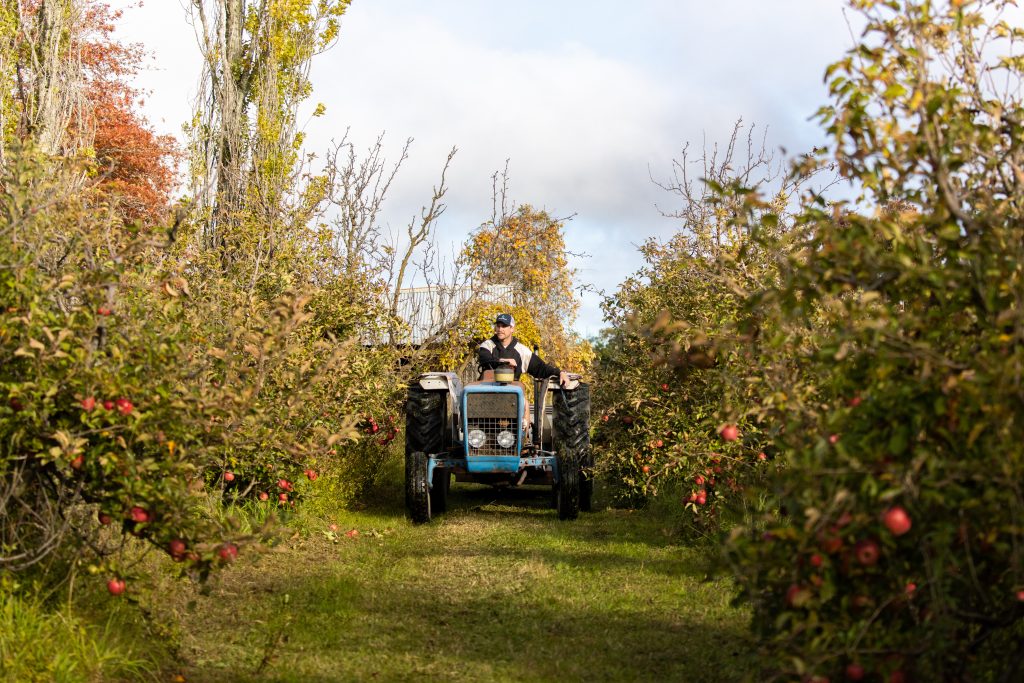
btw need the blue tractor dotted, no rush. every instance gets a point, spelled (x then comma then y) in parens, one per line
(486, 432)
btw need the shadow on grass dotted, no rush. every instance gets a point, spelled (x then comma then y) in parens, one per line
(532, 504)
(497, 590)
(418, 631)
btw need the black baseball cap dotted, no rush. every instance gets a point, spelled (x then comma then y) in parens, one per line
(505, 319)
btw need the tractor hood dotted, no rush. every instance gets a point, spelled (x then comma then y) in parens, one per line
(492, 426)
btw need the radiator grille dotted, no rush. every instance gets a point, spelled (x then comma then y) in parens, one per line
(492, 414)
(491, 405)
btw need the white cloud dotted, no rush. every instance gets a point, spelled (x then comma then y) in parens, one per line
(584, 98)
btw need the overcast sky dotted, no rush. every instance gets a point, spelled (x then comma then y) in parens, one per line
(585, 98)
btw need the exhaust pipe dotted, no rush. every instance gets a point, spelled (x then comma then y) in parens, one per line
(540, 395)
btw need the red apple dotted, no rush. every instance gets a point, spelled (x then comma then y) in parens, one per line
(699, 480)
(104, 518)
(88, 403)
(860, 602)
(702, 497)
(896, 520)
(229, 476)
(177, 549)
(854, 402)
(108, 404)
(729, 432)
(796, 595)
(228, 552)
(352, 533)
(816, 560)
(646, 469)
(867, 552)
(664, 387)
(333, 527)
(854, 672)
(284, 484)
(659, 443)
(124, 406)
(283, 497)
(604, 418)
(139, 514)
(1020, 596)
(264, 495)
(762, 456)
(910, 588)
(116, 586)
(78, 462)
(831, 544)
(833, 439)
(311, 475)
(103, 310)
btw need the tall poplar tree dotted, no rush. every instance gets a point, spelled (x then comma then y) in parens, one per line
(245, 144)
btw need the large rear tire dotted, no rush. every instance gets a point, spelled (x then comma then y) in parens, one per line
(425, 423)
(417, 492)
(567, 490)
(571, 426)
(425, 413)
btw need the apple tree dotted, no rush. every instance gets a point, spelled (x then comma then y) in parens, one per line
(123, 388)
(667, 394)
(892, 348)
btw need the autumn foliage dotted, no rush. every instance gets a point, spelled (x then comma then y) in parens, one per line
(135, 165)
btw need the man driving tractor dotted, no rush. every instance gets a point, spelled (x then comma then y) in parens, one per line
(504, 349)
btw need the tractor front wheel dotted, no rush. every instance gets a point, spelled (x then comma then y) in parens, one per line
(417, 490)
(567, 490)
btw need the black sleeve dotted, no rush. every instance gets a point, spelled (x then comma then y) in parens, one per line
(538, 368)
(486, 359)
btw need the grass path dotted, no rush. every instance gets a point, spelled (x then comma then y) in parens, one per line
(496, 590)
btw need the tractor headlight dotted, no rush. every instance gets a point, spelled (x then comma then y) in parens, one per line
(477, 438)
(506, 439)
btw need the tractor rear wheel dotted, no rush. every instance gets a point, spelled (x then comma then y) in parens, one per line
(425, 424)
(442, 482)
(571, 426)
(567, 490)
(417, 492)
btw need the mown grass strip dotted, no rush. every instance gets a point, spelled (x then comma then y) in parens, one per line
(496, 590)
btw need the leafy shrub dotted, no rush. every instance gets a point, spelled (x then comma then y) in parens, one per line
(894, 370)
(123, 386)
(666, 371)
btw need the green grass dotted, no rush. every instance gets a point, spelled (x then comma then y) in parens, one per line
(39, 643)
(496, 590)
